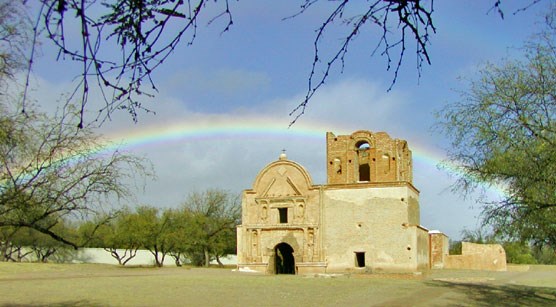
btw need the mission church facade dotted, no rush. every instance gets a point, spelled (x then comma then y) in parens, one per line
(365, 218)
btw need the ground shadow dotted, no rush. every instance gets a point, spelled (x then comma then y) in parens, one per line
(483, 294)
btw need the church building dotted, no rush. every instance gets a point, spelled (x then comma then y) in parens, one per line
(364, 219)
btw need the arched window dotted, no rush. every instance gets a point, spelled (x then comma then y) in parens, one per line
(362, 148)
(363, 145)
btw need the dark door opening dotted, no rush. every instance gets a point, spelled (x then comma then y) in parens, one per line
(364, 172)
(360, 259)
(285, 262)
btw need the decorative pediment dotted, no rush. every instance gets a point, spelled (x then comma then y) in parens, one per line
(281, 187)
(282, 178)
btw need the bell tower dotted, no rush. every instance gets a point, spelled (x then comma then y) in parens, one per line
(365, 157)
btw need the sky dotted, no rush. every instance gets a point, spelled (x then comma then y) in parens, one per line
(222, 109)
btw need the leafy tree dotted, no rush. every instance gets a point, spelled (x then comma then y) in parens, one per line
(153, 230)
(215, 214)
(148, 31)
(10, 247)
(503, 133)
(47, 249)
(28, 244)
(119, 236)
(518, 253)
(544, 254)
(51, 171)
(180, 234)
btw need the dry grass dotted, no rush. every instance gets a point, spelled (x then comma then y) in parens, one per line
(23, 284)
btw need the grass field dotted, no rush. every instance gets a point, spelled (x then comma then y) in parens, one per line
(30, 284)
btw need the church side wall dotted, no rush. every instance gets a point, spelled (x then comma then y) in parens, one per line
(422, 248)
(374, 221)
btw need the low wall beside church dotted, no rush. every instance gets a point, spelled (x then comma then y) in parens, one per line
(489, 257)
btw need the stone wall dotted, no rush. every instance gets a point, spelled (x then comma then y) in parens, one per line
(365, 219)
(283, 207)
(373, 222)
(439, 249)
(364, 156)
(422, 247)
(489, 257)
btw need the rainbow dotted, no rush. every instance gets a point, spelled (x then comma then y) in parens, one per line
(219, 128)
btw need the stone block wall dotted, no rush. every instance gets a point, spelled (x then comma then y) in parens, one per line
(372, 223)
(364, 156)
(439, 249)
(488, 257)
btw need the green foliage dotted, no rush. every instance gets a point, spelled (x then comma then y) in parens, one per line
(153, 231)
(544, 254)
(117, 235)
(503, 132)
(455, 248)
(214, 217)
(519, 253)
(27, 244)
(180, 233)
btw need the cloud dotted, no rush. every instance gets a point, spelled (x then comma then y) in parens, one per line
(232, 159)
(224, 81)
(215, 90)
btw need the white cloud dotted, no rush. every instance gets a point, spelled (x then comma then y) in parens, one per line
(232, 161)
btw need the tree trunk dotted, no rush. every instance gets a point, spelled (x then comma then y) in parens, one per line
(207, 258)
(177, 259)
(218, 260)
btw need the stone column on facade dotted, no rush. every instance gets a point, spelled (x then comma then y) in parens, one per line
(310, 243)
(255, 245)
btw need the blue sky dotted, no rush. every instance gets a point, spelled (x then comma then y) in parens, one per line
(259, 69)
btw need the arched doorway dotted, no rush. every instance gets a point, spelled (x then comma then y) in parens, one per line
(284, 260)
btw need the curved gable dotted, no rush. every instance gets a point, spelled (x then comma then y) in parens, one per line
(282, 178)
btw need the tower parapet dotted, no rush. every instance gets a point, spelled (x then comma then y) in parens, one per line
(364, 156)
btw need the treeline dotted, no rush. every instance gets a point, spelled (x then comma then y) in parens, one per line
(202, 229)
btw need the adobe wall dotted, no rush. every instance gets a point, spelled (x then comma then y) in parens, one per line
(422, 245)
(489, 257)
(385, 159)
(365, 219)
(284, 186)
(439, 249)
(375, 221)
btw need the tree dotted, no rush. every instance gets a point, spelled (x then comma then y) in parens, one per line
(46, 249)
(147, 32)
(19, 244)
(518, 252)
(15, 33)
(50, 171)
(153, 229)
(180, 233)
(116, 235)
(10, 247)
(544, 254)
(503, 133)
(215, 214)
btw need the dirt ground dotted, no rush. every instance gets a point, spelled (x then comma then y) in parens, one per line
(26, 284)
